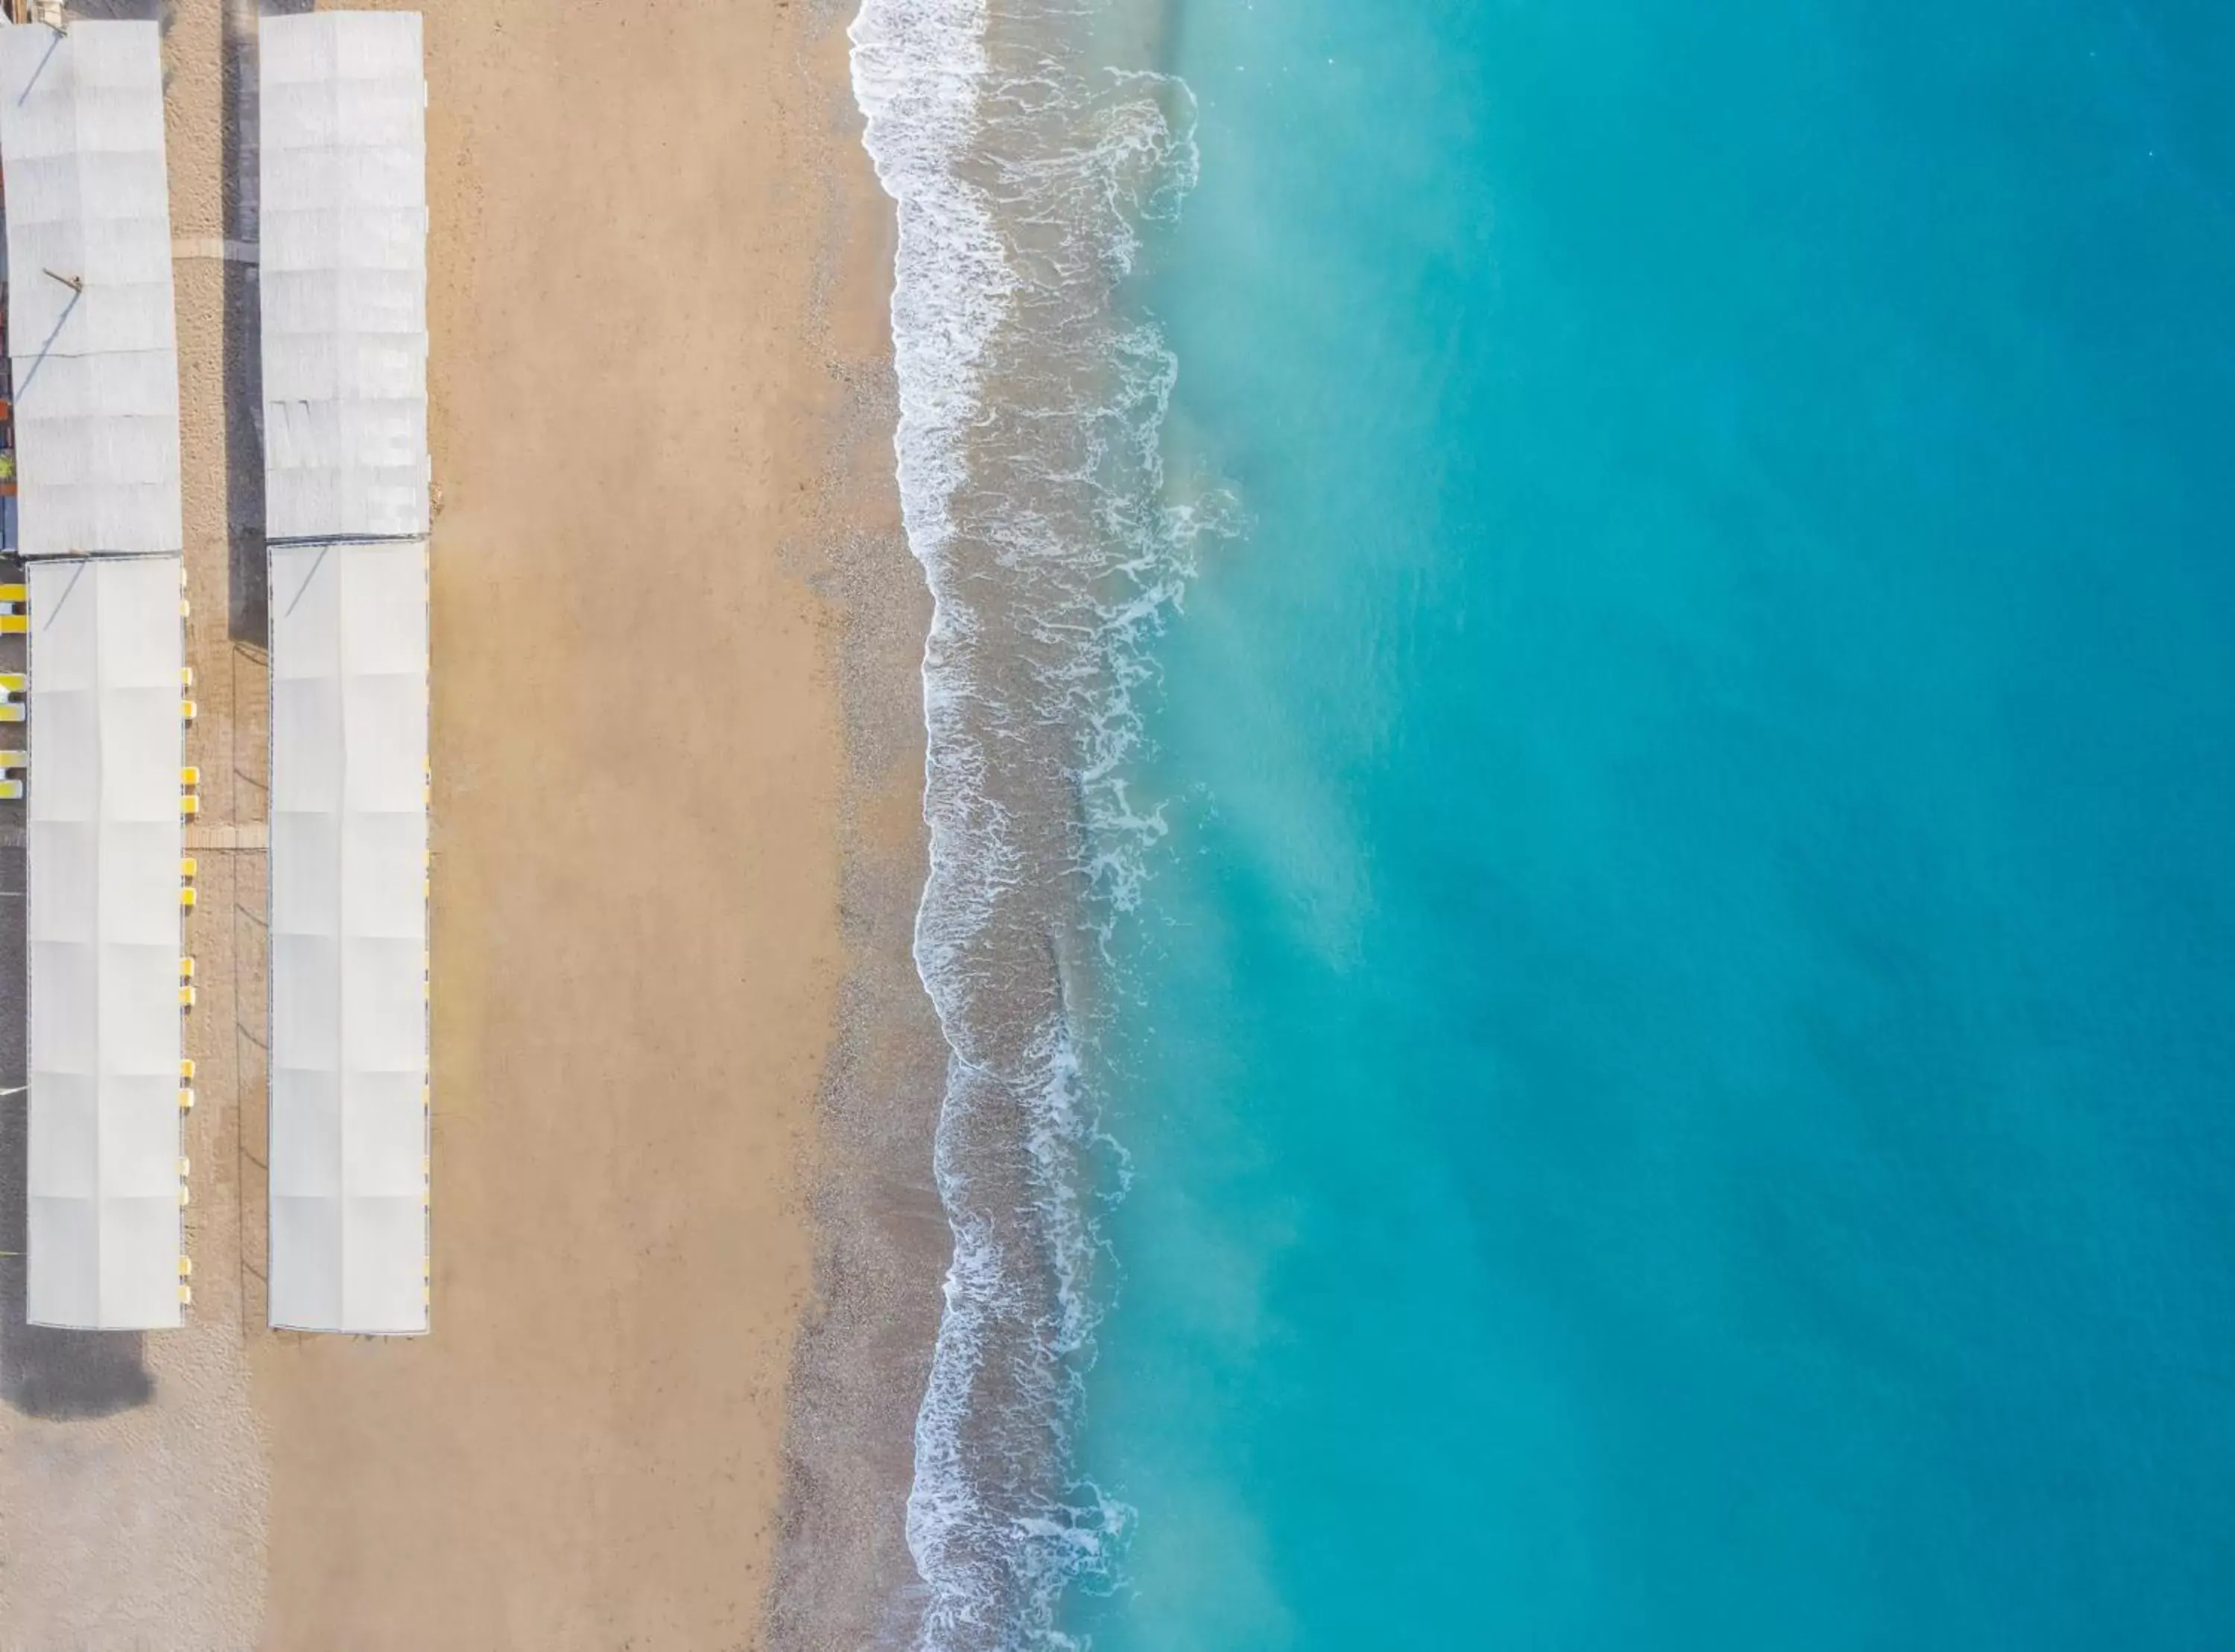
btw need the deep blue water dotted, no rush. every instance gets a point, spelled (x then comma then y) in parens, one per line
(1679, 1063)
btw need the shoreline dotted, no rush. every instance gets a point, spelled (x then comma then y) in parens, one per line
(843, 1576)
(1025, 167)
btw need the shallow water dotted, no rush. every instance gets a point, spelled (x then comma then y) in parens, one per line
(1669, 1004)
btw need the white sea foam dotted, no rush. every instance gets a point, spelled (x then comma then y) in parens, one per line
(1032, 488)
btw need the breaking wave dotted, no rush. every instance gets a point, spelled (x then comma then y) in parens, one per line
(1032, 492)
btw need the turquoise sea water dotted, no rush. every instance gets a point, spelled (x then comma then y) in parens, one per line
(1677, 1059)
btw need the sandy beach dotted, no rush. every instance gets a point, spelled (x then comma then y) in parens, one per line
(684, 1077)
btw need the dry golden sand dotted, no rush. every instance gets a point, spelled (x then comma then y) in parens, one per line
(655, 272)
(637, 753)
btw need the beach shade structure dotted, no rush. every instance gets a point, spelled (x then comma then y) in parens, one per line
(348, 938)
(343, 274)
(104, 1173)
(345, 345)
(91, 337)
(93, 357)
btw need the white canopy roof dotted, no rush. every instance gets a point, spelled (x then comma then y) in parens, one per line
(348, 938)
(90, 331)
(343, 274)
(105, 1227)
